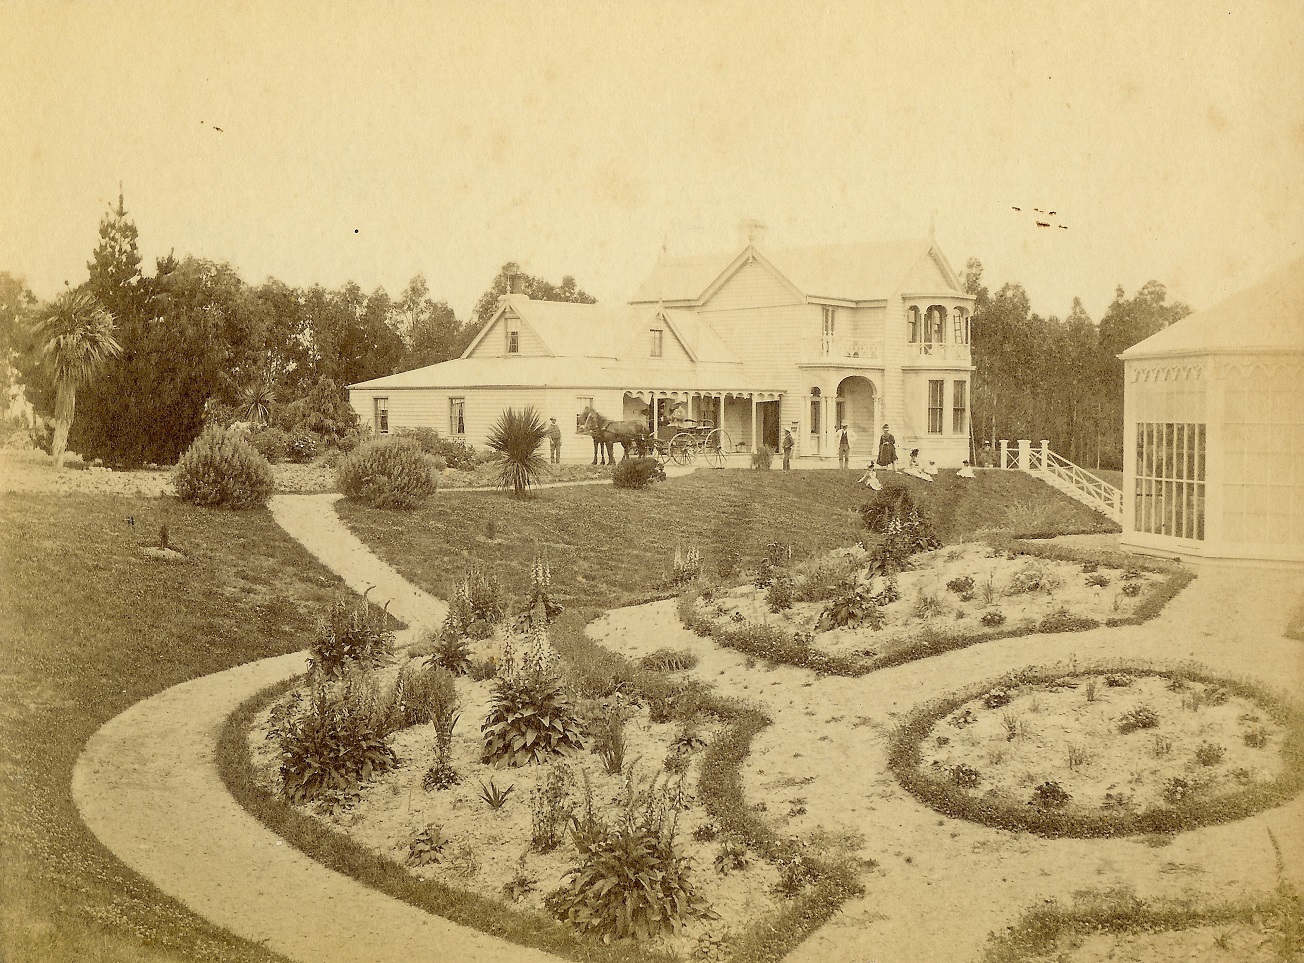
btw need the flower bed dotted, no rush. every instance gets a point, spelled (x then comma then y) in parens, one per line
(835, 616)
(1102, 753)
(489, 851)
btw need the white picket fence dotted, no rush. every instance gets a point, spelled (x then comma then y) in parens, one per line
(1060, 473)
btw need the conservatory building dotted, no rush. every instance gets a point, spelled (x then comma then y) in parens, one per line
(1213, 454)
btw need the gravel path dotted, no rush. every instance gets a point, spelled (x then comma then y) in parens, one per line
(147, 786)
(943, 884)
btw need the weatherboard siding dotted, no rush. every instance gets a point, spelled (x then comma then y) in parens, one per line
(751, 286)
(494, 343)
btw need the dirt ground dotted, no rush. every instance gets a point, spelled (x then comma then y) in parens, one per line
(996, 577)
(943, 884)
(490, 848)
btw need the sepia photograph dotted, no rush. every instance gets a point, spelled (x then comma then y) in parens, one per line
(698, 481)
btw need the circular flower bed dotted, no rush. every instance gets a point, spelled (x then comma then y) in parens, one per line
(1100, 752)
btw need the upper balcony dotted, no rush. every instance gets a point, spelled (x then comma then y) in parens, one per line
(940, 350)
(840, 352)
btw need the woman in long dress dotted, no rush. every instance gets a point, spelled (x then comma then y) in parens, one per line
(887, 455)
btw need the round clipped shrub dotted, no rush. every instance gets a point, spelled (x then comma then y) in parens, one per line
(387, 473)
(637, 473)
(222, 469)
(271, 443)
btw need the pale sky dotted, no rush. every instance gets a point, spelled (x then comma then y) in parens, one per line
(370, 141)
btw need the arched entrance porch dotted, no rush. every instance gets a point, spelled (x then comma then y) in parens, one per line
(857, 408)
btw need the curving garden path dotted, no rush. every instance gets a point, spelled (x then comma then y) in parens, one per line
(147, 785)
(943, 884)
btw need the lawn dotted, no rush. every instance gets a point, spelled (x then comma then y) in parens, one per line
(609, 545)
(88, 626)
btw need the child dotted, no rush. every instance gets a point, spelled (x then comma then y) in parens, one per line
(913, 468)
(966, 471)
(870, 478)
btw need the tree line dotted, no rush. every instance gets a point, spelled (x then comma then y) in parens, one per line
(194, 344)
(1057, 379)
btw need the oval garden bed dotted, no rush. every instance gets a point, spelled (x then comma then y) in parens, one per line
(1098, 752)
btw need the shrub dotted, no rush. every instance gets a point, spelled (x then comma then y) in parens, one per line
(514, 442)
(532, 717)
(423, 694)
(1178, 790)
(1050, 795)
(1098, 580)
(335, 744)
(669, 660)
(850, 610)
(762, 457)
(271, 443)
(637, 473)
(1118, 680)
(731, 856)
(631, 881)
(1034, 576)
(453, 452)
(705, 833)
(894, 500)
(1062, 620)
(966, 777)
(475, 607)
(324, 410)
(221, 469)
(444, 710)
(387, 473)
(551, 809)
(1209, 754)
(927, 605)
(779, 596)
(301, 447)
(820, 579)
(351, 635)
(997, 698)
(962, 586)
(429, 846)
(609, 735)
(452, 652)
(1142, 717)
(1256, 738)
(993, 618)
(1132, 589)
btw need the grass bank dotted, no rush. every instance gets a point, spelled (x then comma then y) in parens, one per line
(88, 627)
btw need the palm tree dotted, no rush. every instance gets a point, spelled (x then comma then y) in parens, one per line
(75, 333)
(515, 441)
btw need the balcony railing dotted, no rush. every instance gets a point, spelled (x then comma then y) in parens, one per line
(823, 350)
(942, 350)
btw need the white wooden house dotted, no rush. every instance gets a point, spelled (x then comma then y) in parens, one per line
(752, 340)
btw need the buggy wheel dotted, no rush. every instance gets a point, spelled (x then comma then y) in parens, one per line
(682, 448)
(661, 451)
(716, 448)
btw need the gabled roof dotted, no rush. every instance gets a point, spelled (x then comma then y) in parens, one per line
(1270, 314)
(701, 342)
(567, 329)
(852, 272)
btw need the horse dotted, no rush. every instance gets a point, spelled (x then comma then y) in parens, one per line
(605, 432)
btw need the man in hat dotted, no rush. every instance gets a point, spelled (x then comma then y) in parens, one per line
(554, 442)
(788, 445)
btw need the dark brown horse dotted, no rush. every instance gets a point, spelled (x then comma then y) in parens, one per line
(605, 432)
